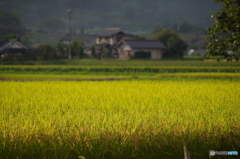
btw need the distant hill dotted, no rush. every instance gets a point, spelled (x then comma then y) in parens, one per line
(132, 15)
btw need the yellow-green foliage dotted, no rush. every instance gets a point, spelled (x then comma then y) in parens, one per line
(118, 119)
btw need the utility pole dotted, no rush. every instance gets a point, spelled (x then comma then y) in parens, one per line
(69, 12)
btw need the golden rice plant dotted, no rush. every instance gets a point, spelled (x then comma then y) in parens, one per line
(118, 119)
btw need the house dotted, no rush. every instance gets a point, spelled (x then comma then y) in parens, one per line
(12, 48)
(106, 39)
(126, 49)
(111, 36)
(119, 44)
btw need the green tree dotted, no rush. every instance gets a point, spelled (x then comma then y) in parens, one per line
(224, 34)
(77, 48)
(51, 24)
(175, 46)
(10, 23)
(93, 51)
(61, 50)
(45, 52)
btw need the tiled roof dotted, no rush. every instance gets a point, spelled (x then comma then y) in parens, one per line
(145, 44)
(6, 44)
(107, 33)
(111, 32)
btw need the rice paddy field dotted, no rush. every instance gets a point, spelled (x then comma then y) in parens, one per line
(151, 113)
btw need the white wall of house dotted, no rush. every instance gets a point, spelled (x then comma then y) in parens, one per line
(156, 54)
(124, 51)
(113, 40)
(97, 40)
(106, 40)
(109, 40)
(125, 47)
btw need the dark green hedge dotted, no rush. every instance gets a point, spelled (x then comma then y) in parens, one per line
(142, 54)
(124, 69)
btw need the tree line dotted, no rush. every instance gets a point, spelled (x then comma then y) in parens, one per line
(125, 14)
(46, 51)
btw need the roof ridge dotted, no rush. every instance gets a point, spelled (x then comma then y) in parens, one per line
(140, 40)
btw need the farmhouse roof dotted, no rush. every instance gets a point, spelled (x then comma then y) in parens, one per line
(11, 44)
(111, 32)
(144, 44)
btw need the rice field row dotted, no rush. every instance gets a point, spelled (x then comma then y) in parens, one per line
(118, 119)
(112, 71)
(110, 76)
(112, 62)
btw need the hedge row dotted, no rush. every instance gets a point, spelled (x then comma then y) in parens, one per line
(125, 69)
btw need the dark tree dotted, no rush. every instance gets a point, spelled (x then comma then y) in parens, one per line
(175, 46)
(224, 34)
(77, 48)
(10, 23)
